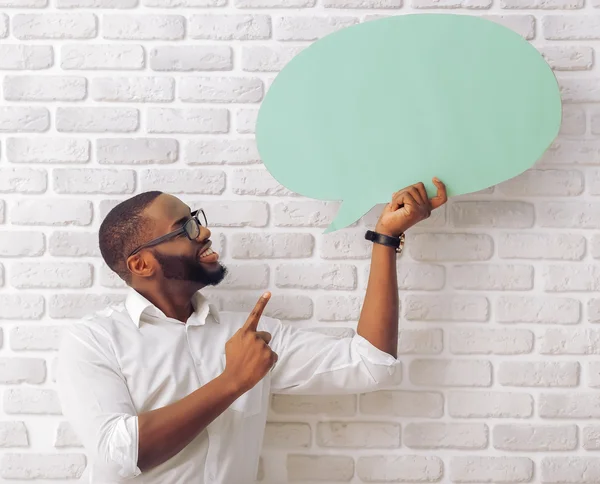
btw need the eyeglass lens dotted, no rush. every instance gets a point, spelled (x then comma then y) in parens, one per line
(192, 226)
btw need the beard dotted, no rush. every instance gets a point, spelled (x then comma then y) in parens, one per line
(186, 268)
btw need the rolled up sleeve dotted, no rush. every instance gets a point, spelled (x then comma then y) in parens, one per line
(96, 402)
(315, 363)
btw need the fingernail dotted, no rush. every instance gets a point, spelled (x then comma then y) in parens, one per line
(266, 295)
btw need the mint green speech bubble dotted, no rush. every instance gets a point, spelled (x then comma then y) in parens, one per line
(378, 106)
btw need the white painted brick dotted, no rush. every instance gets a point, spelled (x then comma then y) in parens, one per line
(102, 56)
(31, 401)
(491, 341)
(26, 275)
(184, 3)
(170, 120)
(143, 27)
(593, 310)
(490, 405)
(304, 213)
(271, 246)
(450, 373)
(574, 341)
(23, 180)
(434, 435)
(316, 276)
(2, 211)
(183, 180)
(54, 26)
(80, 305)
(1, 275)
(568, 58)
(262, 58)
(542, 4)
(273, 3)
(572, 405)
(538, 373)
(362, 3)
(257, 182)
(595, 247)
(403, 468)
(345, 245)
(330, 468)
(573, 121)
(595, 121)
(191, 58)
(47, 466)
(538, 309)
(109, 278)
(571, 27)
(541, 246)
(133, 89)
(93, 180)
(221, 89)
(594, 182)
(570, 469)
(523, 25)
(473, 4)
(450, 247)
(446, 308)
(24, 120)
(535, 438)
(51, 211)
(233, 213)
(532, 183)
(21, 306)
(96, 3)
(420, 341)
(44, 88)
(23, 3)
(22, 370)
(416, 277)
(65, 436)
(3, 25)
(516, 215)
(593, 374)
(478, 469)
(370, 435)
(30, 57)
(136, 151)
(335, 307)
(106, 206)
(579, 90)
(246, 276)
(21, 243)
(13, 434)
(492, 277)
(569, 151)
(230, 27)
(73, 244)
(322, 405)
(48, 150)
(97, 120)
(287, 435)
(590, 439)
(580, 215)
(402, 404)
(245, 120)
(282, 306)
(309, 28)
(218, 151)
(562, 278)
(26, 338)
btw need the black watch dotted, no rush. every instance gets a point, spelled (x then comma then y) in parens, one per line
(395, 242)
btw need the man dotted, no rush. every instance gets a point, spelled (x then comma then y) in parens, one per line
(165, 389)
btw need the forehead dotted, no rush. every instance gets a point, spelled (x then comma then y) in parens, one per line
(165, 210)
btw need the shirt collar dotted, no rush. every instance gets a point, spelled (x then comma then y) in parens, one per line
(136, 305)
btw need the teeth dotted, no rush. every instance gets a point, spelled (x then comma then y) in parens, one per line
(207, 252)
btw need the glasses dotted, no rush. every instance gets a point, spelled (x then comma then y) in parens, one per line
(191, 228)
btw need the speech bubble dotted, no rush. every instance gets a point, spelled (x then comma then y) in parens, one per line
(381, 105)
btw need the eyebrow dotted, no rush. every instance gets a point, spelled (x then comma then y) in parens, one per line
(182, 219)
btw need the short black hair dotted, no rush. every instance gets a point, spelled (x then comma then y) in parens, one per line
(123, 229)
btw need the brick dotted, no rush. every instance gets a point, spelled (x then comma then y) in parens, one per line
(65, 436)
(24, 120)
(570, 469)
(232, 213)
(13, 434)
(570, 405)
(542, 4)
(369, 435)
(48, 150)
(492, 277)
(420, 341)
(316, 276)
(573, 121)
(543, 183)
(26, 57)
(169, 120)
(283, 307)
(579, 90)
(562, 278)
(272, 246)
(23, 3)
(538, 374)
(304, 213)
(21, 306)
(331, 468)
(136, 151)
(245, 120)
(446, 308)
(21, 243)
(402, 404)
(564, 215)
(3, 25)
(467, 341)
(274, 3)
(490, 405)
(1, 275)
(534, 309)
(2, 211)
(262, 58)
(594, 182)
(516, 215)
(143, 27)
(133, 89)
(574, 341)
(491, 469)
(230, 27)
(451, 247)
(542, 246)
(221, 90)
(31, 338)
(97, 120)
(287, 435)
(44, 88)
(593, 310)
(403, 468)
(22, 180)
(568, 58)
(577, 152)
(345, 245)
(257, 182)
(416, 277)
(183, 181)
(362, 3)
(246, 276)
(334, 307)
(595, 121)
(450, 373)
(434, 435)
(524, 25)
(109, 278)
(590, 439)
(15, 371)
(26, 275)
(217, 151)
(323, 405)
(31, 401)
(96, 3)
(191, 58)
(46, 466)
(535, 438)
(93, 180)
(51, 212)
(593, 374)
(54, 26)
(80, 305)
(309, 27)
(102, 56)
(569, 27)
(472, 4)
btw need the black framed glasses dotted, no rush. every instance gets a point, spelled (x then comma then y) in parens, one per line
(191, 228)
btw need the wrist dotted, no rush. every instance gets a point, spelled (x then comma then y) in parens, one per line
(232, 385)
(384, 231)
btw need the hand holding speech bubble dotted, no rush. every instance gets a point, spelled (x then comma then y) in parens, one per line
(378, 106)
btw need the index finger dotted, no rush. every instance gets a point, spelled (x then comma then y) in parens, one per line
(251, 323)
(441, 197)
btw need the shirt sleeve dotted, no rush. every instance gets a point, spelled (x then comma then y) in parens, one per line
(96, 402)
(315, 363)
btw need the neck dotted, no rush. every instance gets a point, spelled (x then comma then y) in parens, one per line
(173, 299)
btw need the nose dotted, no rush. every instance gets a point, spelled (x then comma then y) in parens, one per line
(204, 234)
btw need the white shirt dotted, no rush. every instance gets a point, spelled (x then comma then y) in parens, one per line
(130, 358)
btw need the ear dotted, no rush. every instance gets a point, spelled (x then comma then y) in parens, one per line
(142, 264)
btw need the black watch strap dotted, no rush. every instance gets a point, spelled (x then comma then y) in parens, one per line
(395, 242)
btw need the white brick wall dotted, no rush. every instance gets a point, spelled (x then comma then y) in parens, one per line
(102, 99)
